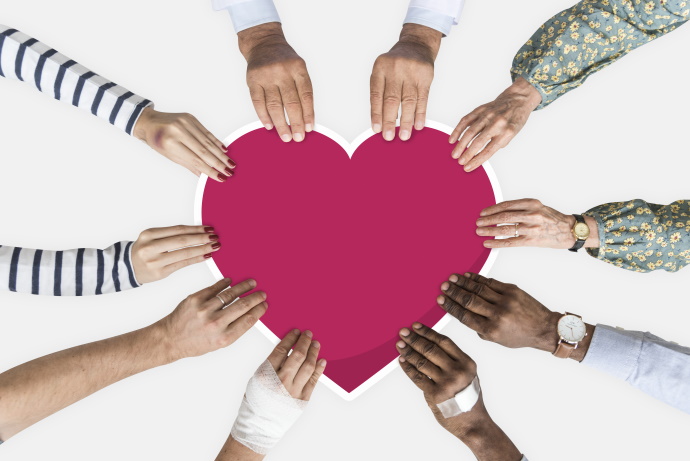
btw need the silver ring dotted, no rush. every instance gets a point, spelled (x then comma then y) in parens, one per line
(221, 300)
(517, 234)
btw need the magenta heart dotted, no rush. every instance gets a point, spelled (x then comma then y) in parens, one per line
(352, 249)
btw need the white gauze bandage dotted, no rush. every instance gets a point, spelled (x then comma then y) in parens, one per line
(462, 402)
(267, 412)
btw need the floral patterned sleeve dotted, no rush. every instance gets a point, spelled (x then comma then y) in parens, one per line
(584, 39)
(642, 236)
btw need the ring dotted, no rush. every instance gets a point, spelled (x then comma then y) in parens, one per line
(517, 234)
(221, 300)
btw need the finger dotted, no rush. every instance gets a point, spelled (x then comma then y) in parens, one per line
(465, 316)
(409, 105)
(214, 300)
(391, 104)
(470, 133)
(506, 230)
(429, 350)
(513, 242)
(214, 145)
(444, 342)
(377, 84)
(309, 365)
(507, 217)
(281, 351)
(245, 322)
(293, 106)
(209, 292)
(311, 384)
(511, 205)
(176, 266)
(192, 143)
(274, 104)
(462, 125)
(258, 96)
(420, 109)
(173, 257)
(164, 232)
(483, 292)
(486, 153)
(477, 144)
(306, 96)
(296, 358)
(420, 380)
(498, 287)
(240, 307)
(175, 242)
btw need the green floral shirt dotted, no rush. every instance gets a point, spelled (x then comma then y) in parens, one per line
(584, 39)
(642, 236)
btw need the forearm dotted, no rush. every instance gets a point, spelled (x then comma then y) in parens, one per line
(235, 451)
(26, 59)
(77, 272)
(37, 389)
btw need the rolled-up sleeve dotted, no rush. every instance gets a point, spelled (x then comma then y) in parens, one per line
(248, 13)
(440, 15)
(656, 367)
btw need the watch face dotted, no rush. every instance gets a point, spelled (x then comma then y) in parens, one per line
(581, 231)
(571, 328)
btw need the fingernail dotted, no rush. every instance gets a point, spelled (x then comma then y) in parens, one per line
(440, 300)
(315, 344)
(388, 135)
(308, 127)
(229, 172)
(467, 274)
(402, 359)
(252, 282)
(209, 230)
(416, 325)
(376, 127)
(286, 138)
(308, 334)
(215, 246)
(453, 278)
(455, 155)
(419, 125)
(323, 362)
(213, 238)
(268, 126)
(404, 135)
(401, 344)
(445, 286)
(231, 163)
(222, 177)
(405, 332)
(207, 255)
(298, 137)
(468, 168)
(296, 331)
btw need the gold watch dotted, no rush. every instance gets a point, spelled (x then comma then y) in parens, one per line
(580, 231)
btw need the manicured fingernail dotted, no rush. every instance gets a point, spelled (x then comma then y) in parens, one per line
(416, 325)
(207, 255)
(296, 331)
(440, 300)
(215, 246)
(222, 177)
(308, 127)
(376, 127)
(268, 126)
(286, 138)
(213, 238)
(445, 286)
(231, 163)
(401, 344)
(405, 332)
(453, 278)
(298, 137)
(404, 135)
(209, 230)
(308, 334)
(315, 344)
(229, 172)
(389, 135)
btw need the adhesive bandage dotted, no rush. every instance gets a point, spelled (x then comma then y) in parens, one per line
(462, 402)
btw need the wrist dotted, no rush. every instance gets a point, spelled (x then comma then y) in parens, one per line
(261, 35)
(487, 440)
(421, 36)
(566, 231)
(593, 239)
(163, 342)
(547, 340)
(142, 124)
(583, 346)
(523, 88)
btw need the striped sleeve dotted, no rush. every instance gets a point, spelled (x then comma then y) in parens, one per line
(78, 272)
(26, 59)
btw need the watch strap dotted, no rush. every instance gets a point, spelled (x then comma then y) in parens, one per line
(564, 350)
(578, 242)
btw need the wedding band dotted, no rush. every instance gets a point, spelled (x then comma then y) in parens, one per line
(517, 234)
(221, 300)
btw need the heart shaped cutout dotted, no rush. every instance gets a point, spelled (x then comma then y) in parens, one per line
(351, 248)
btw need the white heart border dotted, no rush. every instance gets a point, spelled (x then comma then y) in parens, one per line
(350, 149)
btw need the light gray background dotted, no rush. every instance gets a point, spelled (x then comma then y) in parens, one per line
(68, 179)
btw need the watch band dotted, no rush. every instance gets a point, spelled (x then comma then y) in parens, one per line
(578, 243)
(565, 349)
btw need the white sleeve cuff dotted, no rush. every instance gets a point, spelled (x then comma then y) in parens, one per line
(440, 15)
(614, 351)
(248, 13)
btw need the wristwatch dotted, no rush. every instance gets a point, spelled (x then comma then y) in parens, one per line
(571, 330)
(581, 232)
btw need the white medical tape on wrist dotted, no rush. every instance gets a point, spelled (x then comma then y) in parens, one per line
(462, 402)
(267, 411)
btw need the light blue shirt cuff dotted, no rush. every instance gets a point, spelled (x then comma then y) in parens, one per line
(614, 351)
(249, 13)
(429, 18)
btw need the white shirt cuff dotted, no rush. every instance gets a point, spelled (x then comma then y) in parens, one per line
(614, 351)
(248, 13)
(440, 15)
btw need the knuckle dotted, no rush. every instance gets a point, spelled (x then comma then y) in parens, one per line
(298, 355)
(250, 320)
(429, 349)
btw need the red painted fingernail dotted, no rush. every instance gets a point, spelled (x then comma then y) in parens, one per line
(207, 255)
(215, 246)
(222, 177)
(232, 164)
(213, 238)
(229, 172)
(209, 230)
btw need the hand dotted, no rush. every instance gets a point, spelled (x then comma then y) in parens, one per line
(490, 127)
(202, 323)
(278, 81)
(440, 369)
(300, 371)
(184, 140)
(159, 252)
(499, 312)
(402, 77)
(537, 226)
